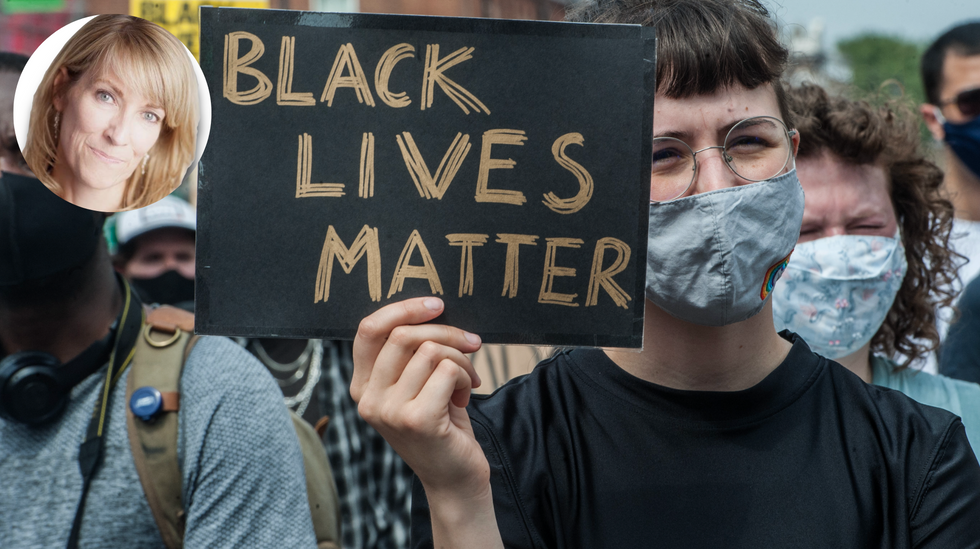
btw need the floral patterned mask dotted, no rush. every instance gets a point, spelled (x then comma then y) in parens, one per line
(837, 291)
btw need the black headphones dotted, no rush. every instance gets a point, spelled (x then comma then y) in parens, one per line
(34, 386)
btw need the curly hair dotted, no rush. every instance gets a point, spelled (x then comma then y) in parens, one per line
(858, 132)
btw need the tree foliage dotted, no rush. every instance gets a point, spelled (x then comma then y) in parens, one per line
(885, 68)
(876, 59)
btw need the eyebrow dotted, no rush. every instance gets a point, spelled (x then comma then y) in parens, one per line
(115, 89)
(112, 87)
(722, 131)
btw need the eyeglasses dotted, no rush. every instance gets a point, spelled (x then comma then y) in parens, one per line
(968, 102)
(755, 149)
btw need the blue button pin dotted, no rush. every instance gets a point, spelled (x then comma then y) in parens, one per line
(146, 402)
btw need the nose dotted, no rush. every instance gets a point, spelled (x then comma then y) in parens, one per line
(713, 172)
(171, 263)
(117, 130)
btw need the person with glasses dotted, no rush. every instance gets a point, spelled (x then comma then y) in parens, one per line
(721, 432)
(951, 78)
(872, 264)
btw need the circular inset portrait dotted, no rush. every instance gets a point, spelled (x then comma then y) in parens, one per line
(114, 120)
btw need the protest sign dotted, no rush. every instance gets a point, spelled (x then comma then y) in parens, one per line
(357, 160)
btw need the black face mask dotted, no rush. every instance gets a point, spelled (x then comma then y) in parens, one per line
(170, 288)
(41, 234)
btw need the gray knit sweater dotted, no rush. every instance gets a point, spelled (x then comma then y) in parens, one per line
(243, 480)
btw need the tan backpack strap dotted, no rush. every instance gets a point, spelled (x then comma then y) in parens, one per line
(160, 353)
(320, 488)
(166, 318)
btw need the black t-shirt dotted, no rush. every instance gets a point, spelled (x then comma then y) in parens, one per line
(583, 454)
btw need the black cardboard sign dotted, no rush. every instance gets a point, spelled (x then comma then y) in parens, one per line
(357, 160)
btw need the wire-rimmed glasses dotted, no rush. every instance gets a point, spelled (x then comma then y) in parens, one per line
(755, 149)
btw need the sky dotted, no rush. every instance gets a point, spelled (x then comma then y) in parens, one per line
(920, 20)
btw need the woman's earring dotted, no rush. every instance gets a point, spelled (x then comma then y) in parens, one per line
(57, 123)
(145, 158)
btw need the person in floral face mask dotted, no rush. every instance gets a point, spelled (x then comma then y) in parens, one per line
(872, 263)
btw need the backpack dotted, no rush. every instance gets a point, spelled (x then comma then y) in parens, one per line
(162, 349)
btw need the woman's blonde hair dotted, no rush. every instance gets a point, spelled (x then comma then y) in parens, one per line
(149, 59)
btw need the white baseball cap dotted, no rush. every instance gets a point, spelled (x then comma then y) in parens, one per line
(168, 212)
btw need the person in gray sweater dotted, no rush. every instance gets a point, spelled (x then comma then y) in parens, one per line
(63, 308)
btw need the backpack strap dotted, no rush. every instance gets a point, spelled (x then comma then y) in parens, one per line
(320, 488)
(161, 350)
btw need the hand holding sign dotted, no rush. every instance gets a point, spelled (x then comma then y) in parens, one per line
(412, 382)
(361, 160)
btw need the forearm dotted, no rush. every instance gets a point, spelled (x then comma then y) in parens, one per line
(468, 523)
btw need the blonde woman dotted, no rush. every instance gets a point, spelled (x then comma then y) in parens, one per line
(114, 119)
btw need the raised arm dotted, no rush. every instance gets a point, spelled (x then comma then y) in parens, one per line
(412, 383)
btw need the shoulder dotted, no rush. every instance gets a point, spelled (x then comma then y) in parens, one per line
(935, 390)
(242, 464)
(909, 427)
(517, 413)
(531, 391)
(217, 363)
(226, 392)
(962, 398)
(923, 448)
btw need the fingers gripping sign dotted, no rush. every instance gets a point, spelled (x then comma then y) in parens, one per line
(412, 382)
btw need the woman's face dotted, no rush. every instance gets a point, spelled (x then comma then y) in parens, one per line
(843, 198)
(106, 129)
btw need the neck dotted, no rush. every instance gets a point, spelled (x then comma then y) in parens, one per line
(963, 187)
(682, 355)
(63, 329)
(101, 200)
(859, 362)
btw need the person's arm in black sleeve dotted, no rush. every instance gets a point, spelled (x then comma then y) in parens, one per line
(946, 511)
(421, 521)
(514, 530)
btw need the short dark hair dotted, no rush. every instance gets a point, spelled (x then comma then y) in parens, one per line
(856, 132)
(962, 40)
(12, 62)
(702, 45)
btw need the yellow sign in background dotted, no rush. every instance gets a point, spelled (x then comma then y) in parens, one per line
(180, 17)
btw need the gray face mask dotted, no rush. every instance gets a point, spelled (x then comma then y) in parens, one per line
(713, 258)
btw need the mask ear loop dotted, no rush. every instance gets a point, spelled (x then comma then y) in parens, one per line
(938, 113)
(898, 235)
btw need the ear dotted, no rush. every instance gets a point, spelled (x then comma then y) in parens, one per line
(61, 81)
(795, 143)
(929, 116)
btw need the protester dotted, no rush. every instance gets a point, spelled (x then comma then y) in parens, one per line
(872, 263)
(114, 119)
(67, 324)
(720, 433)
(11, 160)
(951, 78)
(156, 251)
